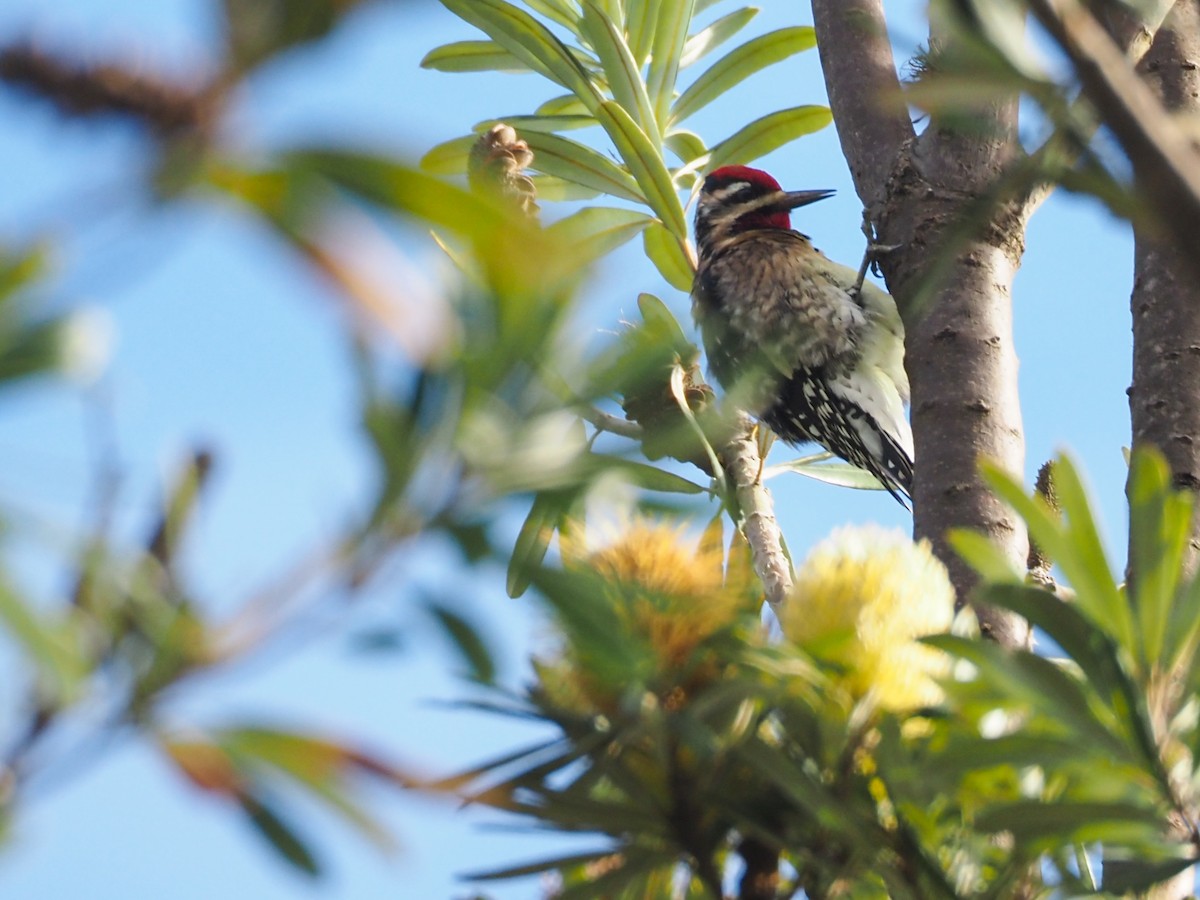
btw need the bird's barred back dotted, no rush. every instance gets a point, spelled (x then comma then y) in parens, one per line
(808, 412)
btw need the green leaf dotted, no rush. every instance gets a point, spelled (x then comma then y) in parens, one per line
(984, 556)
(566, 105)
(641, 21)
(768, 133)
(1086, 645)
(653, 478)
(1074, 545)
(598, 230)
(687, 145)
(539, 123)
(552, 189)
(575, 162)
(1057, 824)
(53, 648)
(646, 164)
(842, 474)
(708, 39)
(1159, 520)
(669, 256)
(280, 835)
(19, 268)
(741, 63)
(469, 642)
(1125, 876)
(620, 68)
(449, 157)
(255, 30)
(564, 12)
(670, 36)
(542, 865)
(1029, 680)
(533, 541)
(472, 56)
(530, 41)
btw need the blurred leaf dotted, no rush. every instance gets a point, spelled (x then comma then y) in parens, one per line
(646, 164)
(668, 255)
(739, 64)
(54, 648)
(258, 29)
(280, 835)
(533, 541)
(19, 268)
(472, 56)
(1159, 526)
(1124, 876)
(768, 133)
(1074, 545)
(620, 68)
(530, 41)
(598, 230)
(1029, 680)
(1039, 825)
(205, 765)
(708, 39)
(1089, 648)
(552, 189)
(542, 865)
(30, 348)
(575, 162)
(670, 36)
(984, 556)
(469, 642)
(652, 478)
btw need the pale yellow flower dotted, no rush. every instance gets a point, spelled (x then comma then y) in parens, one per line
(860, 600)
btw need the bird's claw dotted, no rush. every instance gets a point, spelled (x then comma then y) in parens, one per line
(871, 256)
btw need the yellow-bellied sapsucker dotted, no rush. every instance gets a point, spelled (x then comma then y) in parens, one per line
(790, 336)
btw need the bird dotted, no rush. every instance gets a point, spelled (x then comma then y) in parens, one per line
(798, 341)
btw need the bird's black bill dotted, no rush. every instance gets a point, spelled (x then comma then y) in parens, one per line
(796, 199)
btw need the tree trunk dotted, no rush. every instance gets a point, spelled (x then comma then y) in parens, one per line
(959, 346)
(1164, 399)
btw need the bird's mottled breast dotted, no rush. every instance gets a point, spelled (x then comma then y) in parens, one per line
(782, 298)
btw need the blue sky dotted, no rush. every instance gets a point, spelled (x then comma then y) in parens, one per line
(221, 338)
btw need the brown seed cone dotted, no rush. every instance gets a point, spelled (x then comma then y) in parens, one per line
(496, 166)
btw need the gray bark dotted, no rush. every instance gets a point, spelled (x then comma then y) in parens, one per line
(959, 346)
(1164, 399)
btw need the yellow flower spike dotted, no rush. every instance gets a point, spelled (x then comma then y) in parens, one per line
(670, 593)
(860, 600)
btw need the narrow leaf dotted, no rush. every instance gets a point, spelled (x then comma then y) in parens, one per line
(469, 643)
(708, 39)
(768, 133)
(1159, 519)
(620, 68)
(280, 835)
(739, 64)
(669, 256)
(670, 36)
(598, 230)
(472, 56)
(533, 541)
(575, 162)
(529, 40)
(646, 164)
(641, 21)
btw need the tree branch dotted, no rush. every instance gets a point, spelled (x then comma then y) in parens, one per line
(1165, 163)
(743, 466)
